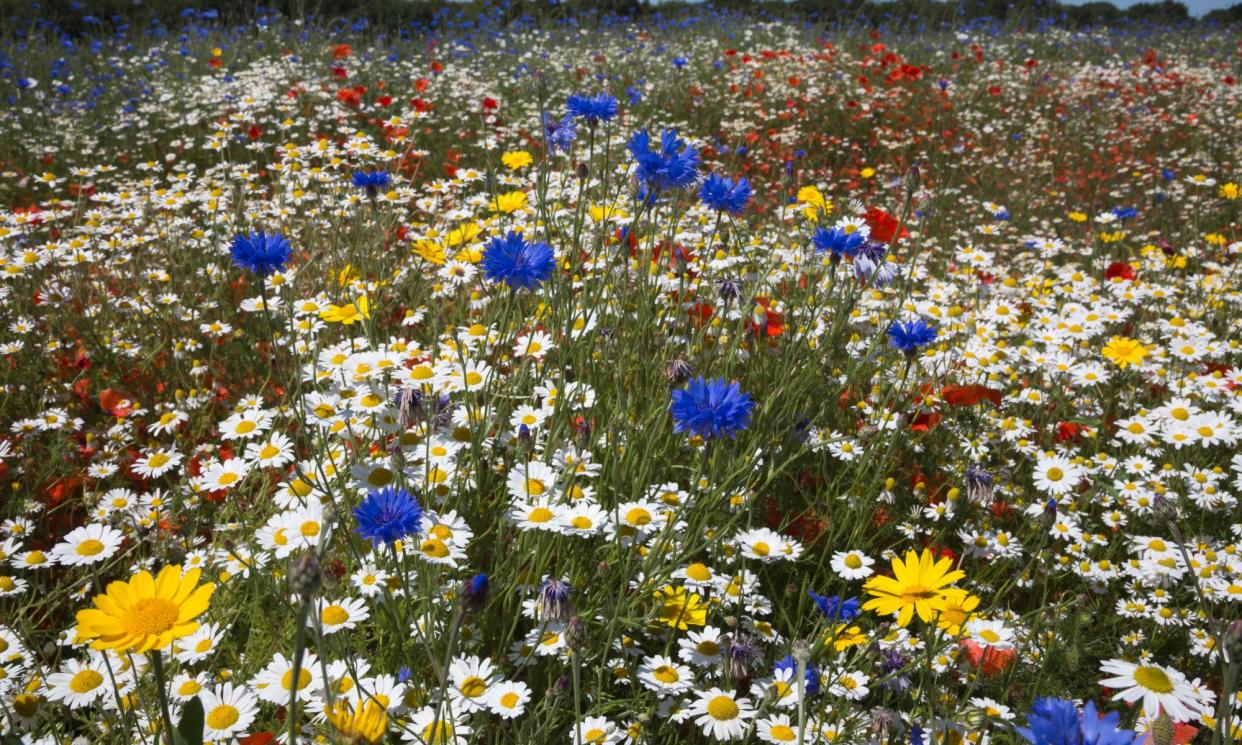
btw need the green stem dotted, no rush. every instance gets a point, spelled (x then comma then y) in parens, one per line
(161, 688)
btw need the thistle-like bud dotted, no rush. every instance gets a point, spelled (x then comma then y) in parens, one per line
(575, 634)
(801, 651)
(678, 371)
(583, 171)
(886, 723)
(305, 575)
(1233, 640)
(555, 601)
(741, 656)
(1162, 730)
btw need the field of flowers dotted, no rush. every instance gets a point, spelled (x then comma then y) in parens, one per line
(681, 380)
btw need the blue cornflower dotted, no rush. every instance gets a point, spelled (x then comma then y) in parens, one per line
(812, 673)
(260, 253)
(634, 95)
(908, 336)
(517, 262)
(711, 408)
(1103, 730)
(837, 240)
(593, 109)
(1124, 213)
(560, 133)
(474, 592)
(723, 195)
(834, 608)
(387, 515)
(372, 181)
(1057, 721)
(675, 166)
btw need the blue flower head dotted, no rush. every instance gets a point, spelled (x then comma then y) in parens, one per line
(592, 109)
(1057, 721)
(836, 609)
(474, 592)
(711, 408)
(838, 241)
(560, 133)
(723, 195)
(387, 515)
(812, 673)
(675, 166)
(260, 253)
(372, 181)
(517, 262)
(909, 336)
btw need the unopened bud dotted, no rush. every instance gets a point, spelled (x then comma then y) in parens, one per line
(305, 575)
(801, 651)
(1161, 730)
(575, 634)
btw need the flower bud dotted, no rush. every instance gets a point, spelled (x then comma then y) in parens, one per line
(305, 575)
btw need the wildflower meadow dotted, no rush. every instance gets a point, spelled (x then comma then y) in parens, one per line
(687, 377)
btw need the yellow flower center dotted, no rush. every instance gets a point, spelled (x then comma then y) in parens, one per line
(915, 593)
(581, 522)
(1153, 679)
(698, 572)
(540, 515)
(150, 617)
(594, 734)
(85, 681)
(782, 733)
(761, 549)
(189, 688)
(245, 427)
(666, 674)
(434, 547)
(707, 648)
(510, 700)
(638, 516)
(26, 705)
(722, 708)
(223, 717)
(90, 547)
(473, 687)
(1055, 474)
(334, 615)
(304, 679)
(157, 460)
(853, 562)
(441, 734)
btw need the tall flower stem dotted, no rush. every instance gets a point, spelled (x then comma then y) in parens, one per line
(299, 649)
(161, 688)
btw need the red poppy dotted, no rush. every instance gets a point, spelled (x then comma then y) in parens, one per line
(341, 51)
(988, 660)
(883, 225)
(116, 403)
(1120, 270)
(969, 395)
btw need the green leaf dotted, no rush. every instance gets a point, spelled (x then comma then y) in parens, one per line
(190, 729)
